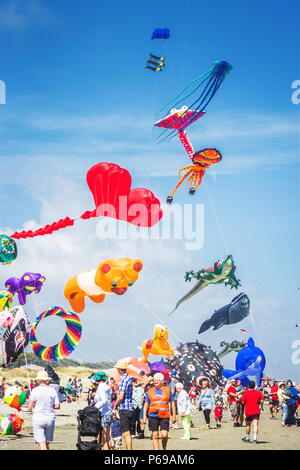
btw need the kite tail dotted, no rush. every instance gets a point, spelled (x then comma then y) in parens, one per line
(197, 287)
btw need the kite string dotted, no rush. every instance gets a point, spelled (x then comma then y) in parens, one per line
(219, 225)
(142, 299)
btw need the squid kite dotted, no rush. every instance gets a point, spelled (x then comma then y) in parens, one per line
(221, 273)
(202, 89)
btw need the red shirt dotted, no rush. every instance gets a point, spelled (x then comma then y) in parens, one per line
(273, 393)
(231, 390)
(251, 399)
(218, 412)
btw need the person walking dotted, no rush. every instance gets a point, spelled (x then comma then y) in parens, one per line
(174, 381)
(290, 395)
(103, 404)
(234, 396)
(158, 402)
(218, 413)
(206, 401)
(252, 399)
(43, 402)
(273, 400)
(184, 407)
(138, 396)
(124, 403)
(282, 403)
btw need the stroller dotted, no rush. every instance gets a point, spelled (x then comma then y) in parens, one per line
(89, 424)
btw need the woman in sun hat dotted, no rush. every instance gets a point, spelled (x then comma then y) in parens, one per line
(43, 402)
(103, 403)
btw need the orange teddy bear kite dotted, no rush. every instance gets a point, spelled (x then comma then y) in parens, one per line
(159, 345)
(111, 276)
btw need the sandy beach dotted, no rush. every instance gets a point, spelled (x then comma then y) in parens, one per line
(272, 436)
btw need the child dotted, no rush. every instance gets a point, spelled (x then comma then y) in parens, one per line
(116, 435)
(218, 413)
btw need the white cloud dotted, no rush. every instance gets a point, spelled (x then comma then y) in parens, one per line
(20, 14)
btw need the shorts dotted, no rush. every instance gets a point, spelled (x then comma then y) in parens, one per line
(126, 420)
(234, 409)
(274, 402)
(250, 418)
(106, 420)
(159, 423)
(43, 429)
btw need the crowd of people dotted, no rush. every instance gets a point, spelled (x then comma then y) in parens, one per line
(127, 408)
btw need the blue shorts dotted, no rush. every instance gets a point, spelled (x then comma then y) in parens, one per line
(106, 420)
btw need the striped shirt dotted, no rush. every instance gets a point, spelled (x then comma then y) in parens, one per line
(126, 386)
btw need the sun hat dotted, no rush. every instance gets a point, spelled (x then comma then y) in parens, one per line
(100, 376)
(121, 364)
(42, 375)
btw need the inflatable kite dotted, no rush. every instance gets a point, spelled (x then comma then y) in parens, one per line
(236, 311)
(11, 424)
(201, 89)
(111, 189)
(221, 273)
(8, 249)
(6, 300)
(15, 337)
(15, 397)
(6, 317)
(137, 368)
(27, 284)
(201, 160)
(193, 362)
(158, 366)
(250, 362)
(67, 344)
(197, 94)
(161, 33)
(155, 63)
(226, 348)
(112, 276)
(158, 345)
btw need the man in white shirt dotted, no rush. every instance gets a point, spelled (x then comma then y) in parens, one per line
(43, 402)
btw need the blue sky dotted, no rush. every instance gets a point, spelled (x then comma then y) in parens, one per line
(78, 93)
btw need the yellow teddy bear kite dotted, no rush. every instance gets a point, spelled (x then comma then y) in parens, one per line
(159, 345)
(111, 276)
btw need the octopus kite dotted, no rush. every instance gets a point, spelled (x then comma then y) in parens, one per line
(221, 273)
(178, 119)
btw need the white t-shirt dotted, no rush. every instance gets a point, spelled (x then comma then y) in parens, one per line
(44, 397)
(183, 403)
(103, 398)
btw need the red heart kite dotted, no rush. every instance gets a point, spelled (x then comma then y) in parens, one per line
(111, 188)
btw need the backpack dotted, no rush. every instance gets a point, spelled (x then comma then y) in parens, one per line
(89, 421)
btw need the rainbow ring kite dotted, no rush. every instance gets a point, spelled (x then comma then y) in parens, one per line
(67, 344)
